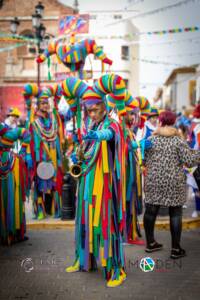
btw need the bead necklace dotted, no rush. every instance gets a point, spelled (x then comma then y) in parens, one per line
(50, 133)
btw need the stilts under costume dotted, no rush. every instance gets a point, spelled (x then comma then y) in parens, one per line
(13, 185)
(46, 145)
(100, 213)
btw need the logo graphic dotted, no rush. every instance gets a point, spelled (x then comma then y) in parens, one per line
(147, 264)
(27, 265)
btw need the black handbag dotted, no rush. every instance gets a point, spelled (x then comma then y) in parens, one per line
(196, 175)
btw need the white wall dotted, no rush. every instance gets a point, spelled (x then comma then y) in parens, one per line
(198, 83)
(112, 38)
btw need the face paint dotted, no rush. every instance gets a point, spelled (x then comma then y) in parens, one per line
(96, 112)
(44, 107)
(131, 118)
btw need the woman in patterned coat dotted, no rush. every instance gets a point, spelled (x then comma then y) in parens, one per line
(165, 181)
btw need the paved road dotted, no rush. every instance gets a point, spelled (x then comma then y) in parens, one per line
(35, 269)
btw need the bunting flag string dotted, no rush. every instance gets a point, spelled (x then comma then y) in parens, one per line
(157, 62)
(165, 8)
(156, 11)
(4, 37)
(174, 55)
(129, 37)
(12, 47)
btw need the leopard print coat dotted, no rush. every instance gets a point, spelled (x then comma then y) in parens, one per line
(165, 181)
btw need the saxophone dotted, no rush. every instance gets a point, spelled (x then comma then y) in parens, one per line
(76, 170)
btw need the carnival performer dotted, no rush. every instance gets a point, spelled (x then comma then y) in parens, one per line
(133, 161)
(133, 178)
(100, 212)
(13, 185)
(12, 117)
(195, 144)
(46, 150)
(150, 124)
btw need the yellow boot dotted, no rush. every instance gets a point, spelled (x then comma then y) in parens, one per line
(74, 268)
(114, 282)
(122, 274)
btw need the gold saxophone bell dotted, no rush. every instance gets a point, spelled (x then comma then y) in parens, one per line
(75, 170)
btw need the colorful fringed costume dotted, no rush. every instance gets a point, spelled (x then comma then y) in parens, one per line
(100, 213)
(13, 185)
(46, 146)
(133, 189)
(73, 55)
(195, 144)
(133, 173)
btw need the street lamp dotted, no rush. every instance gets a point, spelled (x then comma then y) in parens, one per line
(14, 25)
(39, 32)
(75, 7)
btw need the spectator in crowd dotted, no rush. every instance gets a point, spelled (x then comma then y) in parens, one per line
(165, 181)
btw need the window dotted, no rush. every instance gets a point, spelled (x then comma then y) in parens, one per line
(192, 92)
(93, 17)
(125, 53)
(117, 17)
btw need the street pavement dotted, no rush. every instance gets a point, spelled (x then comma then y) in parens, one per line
(35, 269)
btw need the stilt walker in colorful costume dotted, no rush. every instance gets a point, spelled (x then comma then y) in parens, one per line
(133, 160)
(46, 144)
(100, 212)
(13, 185)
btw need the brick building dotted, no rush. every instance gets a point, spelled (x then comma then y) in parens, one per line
(19, 66)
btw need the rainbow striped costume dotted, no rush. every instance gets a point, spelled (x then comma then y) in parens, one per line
(13, 185)
(100, 212)
(133, 189)
(46, 145)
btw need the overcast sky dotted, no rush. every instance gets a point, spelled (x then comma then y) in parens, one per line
(168, 51)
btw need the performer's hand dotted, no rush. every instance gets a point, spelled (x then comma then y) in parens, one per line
(100, 135)
(74, 158)
(92, 135)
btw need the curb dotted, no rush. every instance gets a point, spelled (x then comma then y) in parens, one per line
(189, 223)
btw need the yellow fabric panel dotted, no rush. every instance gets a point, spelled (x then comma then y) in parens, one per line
(138, 181)
(76, 56)
(53, 156)
(103, 260)
(134, 233)
(39, 200)
(32, 114)
(99, 197)
(96, 180)
(105, 157)
(16, 178)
